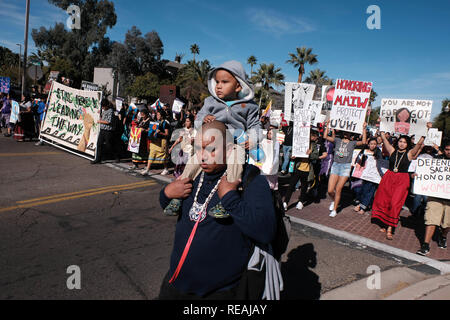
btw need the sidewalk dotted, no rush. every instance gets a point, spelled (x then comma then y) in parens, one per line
(406, 237)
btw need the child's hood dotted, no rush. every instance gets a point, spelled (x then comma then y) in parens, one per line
(236, 68)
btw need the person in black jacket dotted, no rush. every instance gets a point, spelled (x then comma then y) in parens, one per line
(217, 257)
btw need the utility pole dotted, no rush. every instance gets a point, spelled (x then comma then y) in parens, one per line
(20, 62)
(25, 50)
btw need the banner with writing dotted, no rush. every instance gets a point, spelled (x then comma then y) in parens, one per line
(71, 119)
(350, 103)
(316, 112)
(433, 178)
(5, 84)
(405, 116)
(297, 95)
(302, 129)
(135, 139)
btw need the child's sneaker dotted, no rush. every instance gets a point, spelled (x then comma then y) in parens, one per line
(173, 209)
(218, 212)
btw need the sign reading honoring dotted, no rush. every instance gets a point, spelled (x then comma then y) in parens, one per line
(350, 104)
(71, 120)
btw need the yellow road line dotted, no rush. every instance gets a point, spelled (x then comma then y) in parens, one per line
(83, 191)
(90, 194)
(28, 154)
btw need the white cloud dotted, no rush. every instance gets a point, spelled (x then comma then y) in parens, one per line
(278, 24)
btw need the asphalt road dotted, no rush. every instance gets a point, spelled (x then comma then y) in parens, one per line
(57, 210)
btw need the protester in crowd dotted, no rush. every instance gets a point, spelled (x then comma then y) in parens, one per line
(367, 190)
(265, 123)
(304, 171)
(341, 168)
(39, 114)
(325, 167)
(186, 139)
(142, 121)
(232, 102)
(287, 147)
(6, 114)
(394, 185)
(106, 135)
(218, 245)
(159, 144)
(437, 215)
(24, 127)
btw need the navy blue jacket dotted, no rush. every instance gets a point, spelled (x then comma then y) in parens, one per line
(221, 247)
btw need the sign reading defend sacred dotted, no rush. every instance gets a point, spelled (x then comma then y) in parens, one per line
(433, 178)
(350, 103)
(71, 119)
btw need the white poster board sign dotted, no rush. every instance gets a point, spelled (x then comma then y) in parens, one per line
(350, 104)
(302, 129)
(296, 96)
(405, 116)
(433, 178)
(434, 137)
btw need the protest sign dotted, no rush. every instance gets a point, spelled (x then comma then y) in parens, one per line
(15, 109)
(153, 126)
(316, 110)
(177, 105)
(350, 104)
(327, 97)
(433, 178)
(89, 86)
(5, 84)
(297, 95)
(302, 129)
(276, 118)
(119, 104)
(407, 117)
(135, 139)
(71, 120)
(369, 172)
(434, 137)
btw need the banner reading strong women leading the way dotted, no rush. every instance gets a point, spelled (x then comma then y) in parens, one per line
(71, 119)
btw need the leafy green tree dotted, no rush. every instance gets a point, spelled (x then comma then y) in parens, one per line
(442, 121)
(318, 78)
(302, 56)
(193, 81)
(195, 49)
(82, 48)
(267, 76)
(9, 65)
(145, 87)
(252, 61)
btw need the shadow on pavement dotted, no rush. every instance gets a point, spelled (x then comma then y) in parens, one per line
(300, 283)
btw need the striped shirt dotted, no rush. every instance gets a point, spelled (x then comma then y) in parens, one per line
(107, 116)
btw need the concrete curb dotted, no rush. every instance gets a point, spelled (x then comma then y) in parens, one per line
(442, 267)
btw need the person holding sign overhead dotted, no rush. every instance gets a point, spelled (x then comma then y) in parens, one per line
(394, 185)
(340, 171)
(437, 214)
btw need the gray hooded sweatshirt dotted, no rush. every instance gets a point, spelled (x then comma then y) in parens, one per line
(243, 114)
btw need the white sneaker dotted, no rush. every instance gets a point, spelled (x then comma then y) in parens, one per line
(165, 172)
(331, 206)
(333, 214)
(144, 172)
(285, 206)
(299, 206)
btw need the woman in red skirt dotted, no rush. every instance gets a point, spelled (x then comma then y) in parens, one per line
(394, 185)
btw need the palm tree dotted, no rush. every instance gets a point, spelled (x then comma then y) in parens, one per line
(302, 56)
(252, 61)
(193, 80)
(318, 78)
(195, 50)
(267, 75)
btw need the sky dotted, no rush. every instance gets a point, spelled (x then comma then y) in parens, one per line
(409, 57)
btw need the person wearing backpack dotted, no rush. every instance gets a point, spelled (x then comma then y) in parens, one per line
(211, 256)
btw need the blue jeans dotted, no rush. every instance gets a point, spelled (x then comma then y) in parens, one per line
(367, 194)
(419, 204)
(286, 157)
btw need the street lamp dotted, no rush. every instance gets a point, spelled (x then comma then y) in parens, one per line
(20, 58)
